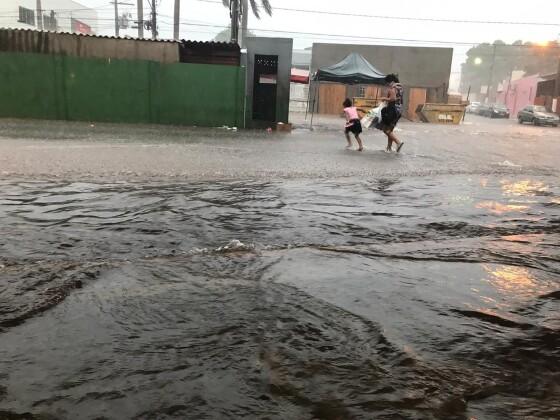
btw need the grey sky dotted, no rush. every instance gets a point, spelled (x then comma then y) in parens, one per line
(360, 29)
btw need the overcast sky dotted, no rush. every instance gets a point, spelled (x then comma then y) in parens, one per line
(213, 17)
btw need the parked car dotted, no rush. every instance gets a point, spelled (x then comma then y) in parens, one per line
(498, 111)
(473, 107)
(483, 110)
(538, 115)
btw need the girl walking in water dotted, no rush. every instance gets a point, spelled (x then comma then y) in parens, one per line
(391, 114)
(353, 124)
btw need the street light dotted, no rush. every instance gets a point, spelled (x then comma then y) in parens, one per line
(478, 61)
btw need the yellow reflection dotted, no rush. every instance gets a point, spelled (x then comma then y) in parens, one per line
(523, 188)
(498, 208)
(521, 238)
(513, 280)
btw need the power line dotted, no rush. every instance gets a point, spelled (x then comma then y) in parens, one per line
(323, 12)
(356, 37)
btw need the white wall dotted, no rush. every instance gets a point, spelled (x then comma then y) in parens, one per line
(298, 97)
(64, 10)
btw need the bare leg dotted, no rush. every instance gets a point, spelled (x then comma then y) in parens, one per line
(360, 144)
(348, 139)
(393, 138)
(397, 141)
(389, 141)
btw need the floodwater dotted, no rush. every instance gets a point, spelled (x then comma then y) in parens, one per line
(390, 296)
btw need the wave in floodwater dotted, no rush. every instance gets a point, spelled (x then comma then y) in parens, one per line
(432, 297)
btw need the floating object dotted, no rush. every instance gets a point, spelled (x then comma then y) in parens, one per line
(284, 127)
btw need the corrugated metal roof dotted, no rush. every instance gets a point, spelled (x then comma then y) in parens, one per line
(130, 38)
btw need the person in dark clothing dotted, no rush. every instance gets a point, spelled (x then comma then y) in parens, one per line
(391, 114)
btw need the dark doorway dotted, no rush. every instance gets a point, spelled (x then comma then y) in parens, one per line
(265, 87)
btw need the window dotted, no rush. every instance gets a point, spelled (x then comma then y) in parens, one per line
(26, 16)
(362, 92)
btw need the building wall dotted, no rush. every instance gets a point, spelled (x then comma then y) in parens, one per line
(416, 66)
(282, 47)
(65, 11)
(519, 93)
(298, 97)
(134, 91)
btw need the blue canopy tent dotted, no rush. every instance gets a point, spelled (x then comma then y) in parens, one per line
(353, 70)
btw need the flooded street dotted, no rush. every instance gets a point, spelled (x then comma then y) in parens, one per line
(158, 273)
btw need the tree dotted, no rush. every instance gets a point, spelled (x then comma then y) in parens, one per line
(244, 14)
(225, 35)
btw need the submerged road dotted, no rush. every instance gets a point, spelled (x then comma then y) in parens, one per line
(174, 273)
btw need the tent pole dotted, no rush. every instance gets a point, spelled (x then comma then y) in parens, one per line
(313, 109)
(308, 97)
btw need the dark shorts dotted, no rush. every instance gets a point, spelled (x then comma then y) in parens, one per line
(390, 116)
(355, 128)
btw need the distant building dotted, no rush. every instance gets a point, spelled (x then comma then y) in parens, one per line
(55, 16)
(301, 62)
(301, 59)
(547, 91)
(519, 93)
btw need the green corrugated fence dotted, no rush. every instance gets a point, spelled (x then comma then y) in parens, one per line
(132, 91)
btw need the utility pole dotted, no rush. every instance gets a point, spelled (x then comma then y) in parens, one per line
(116, 3)
(176, 18)
(491, 74)
(140, 13)
(39, 15)
(244, 22)
(154, 20)
(234, 12)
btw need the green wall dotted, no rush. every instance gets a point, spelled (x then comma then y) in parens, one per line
(132, 91)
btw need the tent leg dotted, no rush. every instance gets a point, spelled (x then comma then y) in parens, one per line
(313, 108)
(308, 97)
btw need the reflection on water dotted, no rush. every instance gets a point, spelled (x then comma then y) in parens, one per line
(340, 299)
(498, 208)
(523, 188)
(514, 281)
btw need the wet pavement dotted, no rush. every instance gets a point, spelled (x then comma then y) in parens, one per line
(165, 272)
(121, 152)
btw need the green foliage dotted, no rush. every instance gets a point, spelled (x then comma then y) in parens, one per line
(225, 35)
(255, 6)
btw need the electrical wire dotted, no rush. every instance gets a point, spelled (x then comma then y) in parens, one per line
(323, 12)
(372, 38)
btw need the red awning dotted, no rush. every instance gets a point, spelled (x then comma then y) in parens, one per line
(300, 76)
